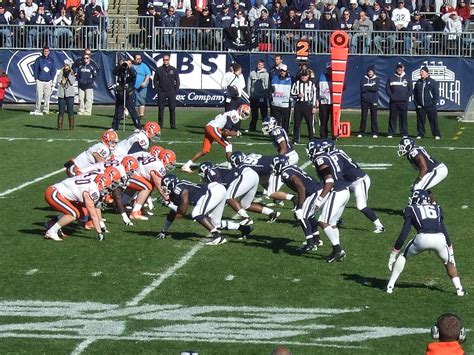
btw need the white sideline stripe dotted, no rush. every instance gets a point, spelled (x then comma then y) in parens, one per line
(83, 346)
(162, 277)
(28, 183)
(370, 146)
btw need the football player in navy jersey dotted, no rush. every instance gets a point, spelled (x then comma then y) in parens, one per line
(307, 190)
(280, 139)
(208, 201)
(334, 196)
(271, 183)
(360, 183)
(430, 171)
(431, 234)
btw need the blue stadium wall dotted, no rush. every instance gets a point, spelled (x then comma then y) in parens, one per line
(201, 75)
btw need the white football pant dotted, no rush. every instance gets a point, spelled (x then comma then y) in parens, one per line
(433, 178)
(244, 186)
(332, 209)
(211, 204)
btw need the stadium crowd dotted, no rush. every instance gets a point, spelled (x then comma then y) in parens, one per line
(243, 24)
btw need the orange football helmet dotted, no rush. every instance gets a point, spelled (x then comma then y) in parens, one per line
(168, 157)
(156, 150)
(103, 183)
(115, 177)
(152, 130)
(244, 112)
(130, 163)
(110, 138)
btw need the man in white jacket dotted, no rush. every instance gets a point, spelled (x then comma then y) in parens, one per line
(401, 16)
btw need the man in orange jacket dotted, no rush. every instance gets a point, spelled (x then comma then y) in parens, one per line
(450, 334)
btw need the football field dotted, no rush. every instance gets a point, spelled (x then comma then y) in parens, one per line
(135, 294)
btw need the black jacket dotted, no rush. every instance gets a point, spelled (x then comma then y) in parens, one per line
(369, 89)
(399, 88)
(426, 92)
(125, 79)
(166, 79)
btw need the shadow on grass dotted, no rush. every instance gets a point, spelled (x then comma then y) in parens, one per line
(389, 211)
(174, 235)
(375, 282)
(41, 127)
(275, 244)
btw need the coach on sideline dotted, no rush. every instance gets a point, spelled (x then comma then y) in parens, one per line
(426, 97)
(166, 82)
(399, 89)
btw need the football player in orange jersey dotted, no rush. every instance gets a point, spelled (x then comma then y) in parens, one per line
(138, 141)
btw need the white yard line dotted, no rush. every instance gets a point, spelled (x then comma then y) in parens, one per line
(28, 183)
(163, 276)
(83, 346)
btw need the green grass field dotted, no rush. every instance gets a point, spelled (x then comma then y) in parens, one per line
(135, 294)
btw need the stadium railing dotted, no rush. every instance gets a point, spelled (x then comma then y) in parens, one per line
(139, 33)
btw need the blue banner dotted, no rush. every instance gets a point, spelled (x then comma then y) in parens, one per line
(201, 75)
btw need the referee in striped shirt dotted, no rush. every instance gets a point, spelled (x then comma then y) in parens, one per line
(304, 92)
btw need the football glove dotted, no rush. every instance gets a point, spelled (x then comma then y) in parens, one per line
(299, 214)
(238, 133)
(392, 259)
(161, 235)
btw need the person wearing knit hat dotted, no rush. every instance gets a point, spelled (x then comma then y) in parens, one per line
(369, 98)
(426, 97)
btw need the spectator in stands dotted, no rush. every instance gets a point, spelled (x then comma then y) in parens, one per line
(278, 14)
(324, 96)
(78, 20)
(12, 7)
(44, 70)
(384, 24)
(255, 12)
(94, 16)
(40, 34)
(166, 82)
(299, 6)
(224, 20)
(330, 7)
(354, 10)
(86, 76)
(30, 8)
(399, 89)
(218, 5)
(373, 12)
(281, 88)
(291, 23)
(141, 84)
(363, 28)
(369, 98)
(169, 21)
(150, 20)
(62, 22)
(261, 30)
(447, 8)
(180, 6)
(312, 8)
(464, 13)
(426, 98)
(346, 23)
(452, 30)
(65, 81)
(6, 18)
(187, 36)
(417, 24)
(72, 4)
(449, 335)
(257, 87)
(327, 24)
(21, 32)
(401, 16)
(205, 38)
(388, 9)
(244, 5)
(241, 33)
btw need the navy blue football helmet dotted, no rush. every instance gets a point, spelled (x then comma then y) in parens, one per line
(269, 124)
(169, 182)
(236, 159)
(278, 163)
(314, 148)
(328, 145)
(204, 168)
(420, 197)
(405, 145)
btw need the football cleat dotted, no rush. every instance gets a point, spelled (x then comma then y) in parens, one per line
(461, 292)
(100, 236)
(52, 235)
(138, 215)
(389, 289)
(308, 247)
(246, 221)
(245, 231)
(336, 256)
(161, 235)
(272, 217)
(217, 239)
(379, 230)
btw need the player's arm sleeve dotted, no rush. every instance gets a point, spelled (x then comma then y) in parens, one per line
(404, 232)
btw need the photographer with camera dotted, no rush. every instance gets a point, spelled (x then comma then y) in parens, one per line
(66, 93)
(125, 93)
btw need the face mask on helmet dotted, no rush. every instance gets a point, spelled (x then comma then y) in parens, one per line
(130, 164)
(168, 157)
(314, 148)
(168, 183)
(279, 163)
(236, 159)
(204, 168)
(420, 197)
(110, 138)
(406, 144)
(268, 125)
